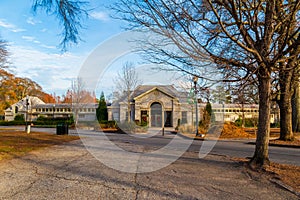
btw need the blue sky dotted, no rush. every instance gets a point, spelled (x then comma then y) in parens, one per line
(35, 53)
(34, 38)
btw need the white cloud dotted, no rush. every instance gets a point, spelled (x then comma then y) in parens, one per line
(48, 47)
(17, 30)
(52, 71)
(32, 21)
(10, 26)
(4, 24)
(102, 16)
(30, 39)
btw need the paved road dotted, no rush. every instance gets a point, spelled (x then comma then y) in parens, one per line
(238, 148)
(69, 171)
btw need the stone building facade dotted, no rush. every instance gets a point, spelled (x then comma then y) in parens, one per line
(164, 105)
(155, 106)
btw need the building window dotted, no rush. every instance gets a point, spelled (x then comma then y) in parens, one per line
(81, 116)
(116, 116)
(126, 118)
(184, 117)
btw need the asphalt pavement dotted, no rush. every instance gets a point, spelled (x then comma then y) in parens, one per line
(72, 171)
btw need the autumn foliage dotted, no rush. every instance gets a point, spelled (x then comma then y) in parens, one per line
(13, 88)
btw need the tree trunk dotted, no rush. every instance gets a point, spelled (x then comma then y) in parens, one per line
(128, 105)
(296, 109)
(261, 155)
(285, 105)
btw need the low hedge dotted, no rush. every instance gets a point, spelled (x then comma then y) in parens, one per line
(12, 123)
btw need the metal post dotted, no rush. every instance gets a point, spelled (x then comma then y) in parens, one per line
(53, 111)
(197, 120)
(195, 80)
(27, 128)
(223, 105)
(26, 113)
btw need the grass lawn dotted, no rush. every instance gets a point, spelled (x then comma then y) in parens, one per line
(17, 143)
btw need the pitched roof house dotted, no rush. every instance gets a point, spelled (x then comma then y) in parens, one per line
(154, 105)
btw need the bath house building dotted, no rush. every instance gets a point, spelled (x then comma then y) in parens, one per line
(164, 105)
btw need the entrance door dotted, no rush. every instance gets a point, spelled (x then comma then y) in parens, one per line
(168, 119)
(156, 115)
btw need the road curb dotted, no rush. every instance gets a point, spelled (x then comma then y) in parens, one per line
(278, 145)
(187, 137)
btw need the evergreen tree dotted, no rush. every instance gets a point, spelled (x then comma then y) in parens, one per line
(208, 117)
(101, 111)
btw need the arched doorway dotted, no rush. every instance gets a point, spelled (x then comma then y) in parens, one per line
(156, 115)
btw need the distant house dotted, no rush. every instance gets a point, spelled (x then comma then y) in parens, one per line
(86, 111)
(36, 108)
(231, 112)
(164, 105)
(20, 108)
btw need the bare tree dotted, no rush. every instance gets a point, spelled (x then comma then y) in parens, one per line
(126, 81)
(69, 13)
(79, 97)
(3, 54)
(244, 38)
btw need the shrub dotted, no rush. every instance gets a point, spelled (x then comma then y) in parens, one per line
(42, 120)
(131, 127)
(249, 122)
(19, 118)
(11, 123)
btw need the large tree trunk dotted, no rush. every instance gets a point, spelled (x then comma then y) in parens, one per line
(261, 155)
(285, 105)
(296, 109)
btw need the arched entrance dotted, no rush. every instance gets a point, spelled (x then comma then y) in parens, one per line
(156, 115)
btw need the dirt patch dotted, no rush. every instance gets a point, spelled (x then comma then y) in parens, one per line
(18, 143)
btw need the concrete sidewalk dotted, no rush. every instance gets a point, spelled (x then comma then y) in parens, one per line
(69, 171)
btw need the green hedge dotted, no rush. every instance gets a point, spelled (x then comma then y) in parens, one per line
(249, 122)
(50, 121)
(11, 123)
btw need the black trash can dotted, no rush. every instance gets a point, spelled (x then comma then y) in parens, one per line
(62, 129)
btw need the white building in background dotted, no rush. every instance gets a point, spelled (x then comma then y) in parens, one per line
(231, 112)
(21, 108)
(36, 108)
(163, 105)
